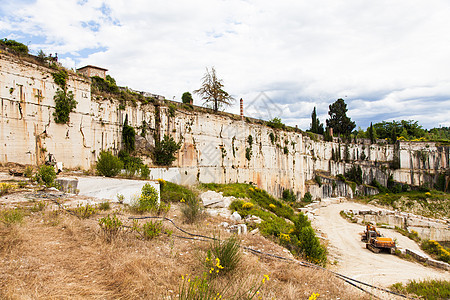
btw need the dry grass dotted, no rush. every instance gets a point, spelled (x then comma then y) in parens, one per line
(54, 255)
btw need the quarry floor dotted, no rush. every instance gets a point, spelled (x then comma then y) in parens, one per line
(354, 260)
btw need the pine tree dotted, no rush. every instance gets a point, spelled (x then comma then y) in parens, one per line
(338, 120)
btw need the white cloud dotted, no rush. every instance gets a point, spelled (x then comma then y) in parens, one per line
(386, 59)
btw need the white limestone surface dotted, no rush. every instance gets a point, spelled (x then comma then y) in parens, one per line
(108, 188)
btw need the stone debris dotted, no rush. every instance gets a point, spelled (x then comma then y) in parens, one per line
(253, 219)
(254, 231)
(68, 185)
(213, 199)
(236, 216)
(238, 229)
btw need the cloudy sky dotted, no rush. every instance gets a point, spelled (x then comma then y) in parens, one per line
(387, 59)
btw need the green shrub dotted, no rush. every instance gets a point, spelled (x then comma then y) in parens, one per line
(191, 209)
(38, 206)
(272, 138)
(427, 289)
(120, 198)
(64, 105)
(318, 179)
(248, 153)
(111, 226)
(224, 256)
(145, 171)
(171, 192)
(276, 123)
(84, 211)
(60, 78)
(164, 152)
(148, 201)
(151, 230)
(289, 196)
(305, 242)
(236, 205)
(5, 188)
(307, 198)
(28, 172)
(101, 85)
(17, 47)
(104, 205)
(436, 250)
(46, 175)
(311, 247)
(108, 165)
(131, 164)
(11, 216)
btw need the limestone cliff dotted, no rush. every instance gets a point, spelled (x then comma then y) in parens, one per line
(217, 148)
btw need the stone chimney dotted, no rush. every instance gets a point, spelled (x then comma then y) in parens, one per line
(242, 108)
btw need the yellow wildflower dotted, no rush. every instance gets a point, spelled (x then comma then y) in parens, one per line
(314, 296)
(247, 205)
(272, 206)
(182, 200)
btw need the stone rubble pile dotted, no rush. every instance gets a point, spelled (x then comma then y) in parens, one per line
(217, 205)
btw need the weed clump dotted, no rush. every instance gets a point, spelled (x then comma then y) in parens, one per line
(11, 216)
(84, 211)
(191, 209)
(151, 230)
(5, 188)
(111, 226)
(104, 205)
(38, 206)
(427, 289)
(225, 255)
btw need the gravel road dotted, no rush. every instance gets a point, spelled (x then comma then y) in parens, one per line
(355, 261)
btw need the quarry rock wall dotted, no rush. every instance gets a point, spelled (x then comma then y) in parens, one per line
(221, 148)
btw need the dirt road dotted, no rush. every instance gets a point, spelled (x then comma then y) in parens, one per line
(355, 261)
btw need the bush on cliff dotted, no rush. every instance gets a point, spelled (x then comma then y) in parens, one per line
(108, 165)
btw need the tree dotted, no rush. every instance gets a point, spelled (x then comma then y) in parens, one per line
(316, 126)
(338, 120)
(128, 136)
(371, 134)
(187, 98)
(212, 90)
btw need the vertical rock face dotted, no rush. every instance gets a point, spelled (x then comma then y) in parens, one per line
(219, 148)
